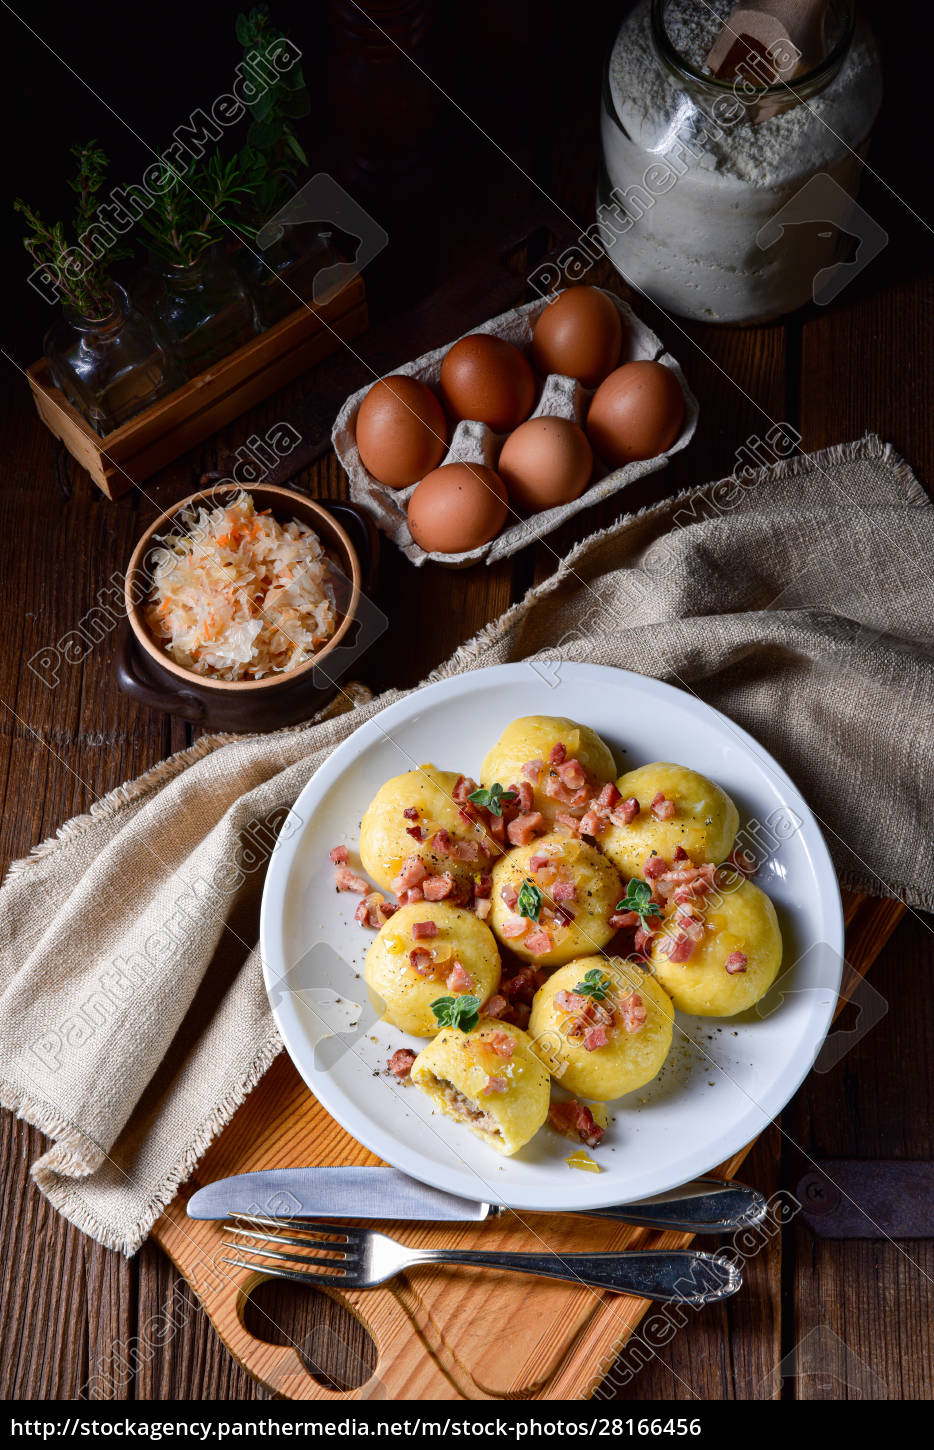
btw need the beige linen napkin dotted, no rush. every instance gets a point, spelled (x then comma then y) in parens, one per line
(797, 600)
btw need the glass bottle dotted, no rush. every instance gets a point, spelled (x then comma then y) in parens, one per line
(112, 368)
(203, 310)
(281, 275)
(733, 200)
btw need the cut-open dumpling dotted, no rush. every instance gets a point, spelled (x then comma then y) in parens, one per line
(489, 1079)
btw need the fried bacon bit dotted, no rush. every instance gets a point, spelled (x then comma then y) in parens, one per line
(460, 980)
(642, 939)
(592, 822)
(413, 873)
(347, 880)
(415, 832)
(411, 813)
(654, 867)
(621, 919)
(400, 1064)
(573, 774)
(744, 861)
(680, 854)
(538, 863)
(441, 842)
(465, 851)
(463, 787)
(424, 928)
(497, 1007)
(571, 1002)
(633, 1011)
(514, 926)
(422, 960)
(538, 942)
(533, 769)
(523, 986)
(608, 797)
(482, 887)
(339, 855)
(575, 1120)
(595, 1037)
(736, 962)
(502, 1044)
(495, 1085)
(678, 948)
(662, 808)
(374, 910)
(524, 828)
(525, 798)
(564, 891)
(436, 888)
(510, 895)
(625, 812)
(410, 897)
(482, 906)
(685, 882)
(569, 822)
(557, 754)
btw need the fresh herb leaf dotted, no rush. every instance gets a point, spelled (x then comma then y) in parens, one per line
(460, 1012)
(638, 898)
(594, 985)
(494, 799)
(530, 901)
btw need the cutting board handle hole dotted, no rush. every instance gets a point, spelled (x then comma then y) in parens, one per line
(333, 1345)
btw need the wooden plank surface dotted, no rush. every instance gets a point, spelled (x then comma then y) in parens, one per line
(833, 373)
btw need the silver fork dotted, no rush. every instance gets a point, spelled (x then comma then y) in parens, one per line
(337, 1257)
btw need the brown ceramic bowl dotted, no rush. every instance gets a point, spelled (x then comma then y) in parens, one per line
(148, 673)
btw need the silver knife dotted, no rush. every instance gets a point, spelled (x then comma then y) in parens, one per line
(707, 1205)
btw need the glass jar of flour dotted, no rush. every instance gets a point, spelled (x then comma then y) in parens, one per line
(731, 200)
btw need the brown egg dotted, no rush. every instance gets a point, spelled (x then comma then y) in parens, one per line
(401, 431)
(546, 461)
(580, 334)
(487, 379)
(457, 507)
(637, 412)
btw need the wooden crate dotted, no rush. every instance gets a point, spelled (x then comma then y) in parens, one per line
(154, 437)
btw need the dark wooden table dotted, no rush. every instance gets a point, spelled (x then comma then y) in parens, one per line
(456, 256)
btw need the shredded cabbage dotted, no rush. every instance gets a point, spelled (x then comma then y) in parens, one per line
(239, 595)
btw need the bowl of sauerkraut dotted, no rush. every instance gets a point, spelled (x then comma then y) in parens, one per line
(240, 594)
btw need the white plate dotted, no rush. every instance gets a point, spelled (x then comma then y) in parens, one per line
(725, 1079)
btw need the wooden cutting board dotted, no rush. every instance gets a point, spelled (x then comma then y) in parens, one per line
(439, 1332)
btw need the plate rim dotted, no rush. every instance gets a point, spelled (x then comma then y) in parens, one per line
(288, 843)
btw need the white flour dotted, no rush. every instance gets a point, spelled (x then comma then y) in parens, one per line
(706, 185)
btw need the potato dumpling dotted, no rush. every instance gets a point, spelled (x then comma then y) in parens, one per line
(489, 1079)
(559, 896)
(421, 801)
(703, 823)
(601, 1046)
(524, 753)
(409, 965)
(735, 960)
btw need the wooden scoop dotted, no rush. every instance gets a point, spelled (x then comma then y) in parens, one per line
(770, 41)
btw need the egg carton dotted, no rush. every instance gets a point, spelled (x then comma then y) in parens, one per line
(474, 442)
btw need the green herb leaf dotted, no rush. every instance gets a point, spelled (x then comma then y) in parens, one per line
(638, 898)
(460, 1012)
(530, 901)
(494, 799)
(594, 985)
